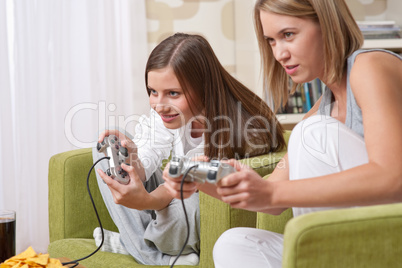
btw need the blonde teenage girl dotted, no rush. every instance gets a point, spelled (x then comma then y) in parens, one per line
(347, 151)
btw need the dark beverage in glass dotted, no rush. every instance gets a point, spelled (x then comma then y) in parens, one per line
(7, 235)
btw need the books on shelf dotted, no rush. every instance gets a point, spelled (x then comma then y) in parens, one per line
(304, 98)
(379, 29)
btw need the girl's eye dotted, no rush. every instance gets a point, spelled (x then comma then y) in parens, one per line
(271, 41)
(288, 35)
(173, 93)
(152, 92)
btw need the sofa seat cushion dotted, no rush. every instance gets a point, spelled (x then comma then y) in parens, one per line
(80, 247)
(77, 248)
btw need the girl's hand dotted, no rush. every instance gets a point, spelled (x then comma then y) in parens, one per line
(132, 195)
(173, 185)
(245, 189)
(126, 142)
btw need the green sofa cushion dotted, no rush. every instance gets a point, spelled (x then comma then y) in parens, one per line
(353, 237)
(77, 248)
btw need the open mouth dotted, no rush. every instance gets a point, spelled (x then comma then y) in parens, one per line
(168, 117)
(290, 69)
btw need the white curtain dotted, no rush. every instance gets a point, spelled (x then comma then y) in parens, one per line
(68, 69)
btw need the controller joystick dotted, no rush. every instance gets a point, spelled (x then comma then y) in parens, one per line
(118, 154)
(210, 172)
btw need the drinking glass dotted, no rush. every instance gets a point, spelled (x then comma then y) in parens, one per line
(7, 234)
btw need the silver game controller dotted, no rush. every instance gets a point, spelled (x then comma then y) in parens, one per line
(210, 172)
(112, 148)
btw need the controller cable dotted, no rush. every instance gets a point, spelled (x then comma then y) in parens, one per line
(76, 262)
(185, 214)
(97, 215)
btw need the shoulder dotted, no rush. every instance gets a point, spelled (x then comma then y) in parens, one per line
(376, 63)
(374, 70)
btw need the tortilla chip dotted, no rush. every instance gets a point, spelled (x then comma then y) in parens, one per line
(29, 259)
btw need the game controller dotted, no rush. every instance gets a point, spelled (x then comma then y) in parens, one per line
(210, 172)
(118, 154)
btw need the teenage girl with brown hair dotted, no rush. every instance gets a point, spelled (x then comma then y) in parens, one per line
(198, 109)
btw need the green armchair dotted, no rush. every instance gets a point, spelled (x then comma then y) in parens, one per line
(356, 237)
(72, 219)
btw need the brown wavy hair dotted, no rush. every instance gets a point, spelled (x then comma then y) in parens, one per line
(238, 123)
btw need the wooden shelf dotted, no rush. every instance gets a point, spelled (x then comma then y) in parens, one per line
(390, 44)
(290, 118)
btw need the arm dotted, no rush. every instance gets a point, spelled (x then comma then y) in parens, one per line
(174, 184)
(133, 195)
(376, 83)
(247, 190)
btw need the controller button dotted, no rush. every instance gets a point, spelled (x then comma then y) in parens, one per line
(98, 146)
(117, 147)
(173, 170)
(124, 151)
(211, 175)
(108, 172)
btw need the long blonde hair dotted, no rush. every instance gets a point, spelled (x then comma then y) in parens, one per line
(340, 36)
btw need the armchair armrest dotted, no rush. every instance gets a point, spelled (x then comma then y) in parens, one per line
(354, 237)
(71, 214)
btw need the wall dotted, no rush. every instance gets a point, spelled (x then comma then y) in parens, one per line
(212, 19)
(376, 10)
(228, 26)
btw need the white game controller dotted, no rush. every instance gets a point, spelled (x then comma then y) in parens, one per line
(112, 148)
(210, 172)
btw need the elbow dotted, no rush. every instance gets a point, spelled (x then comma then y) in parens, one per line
(275, 212)
(397, 191)
(395, 186)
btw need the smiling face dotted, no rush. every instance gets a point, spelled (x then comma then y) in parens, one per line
(296, 44)
(167, 98)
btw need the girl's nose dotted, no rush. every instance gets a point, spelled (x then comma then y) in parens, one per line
(161, 108)
(281, 52)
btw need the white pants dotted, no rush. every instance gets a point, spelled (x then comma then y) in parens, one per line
(319, 145)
